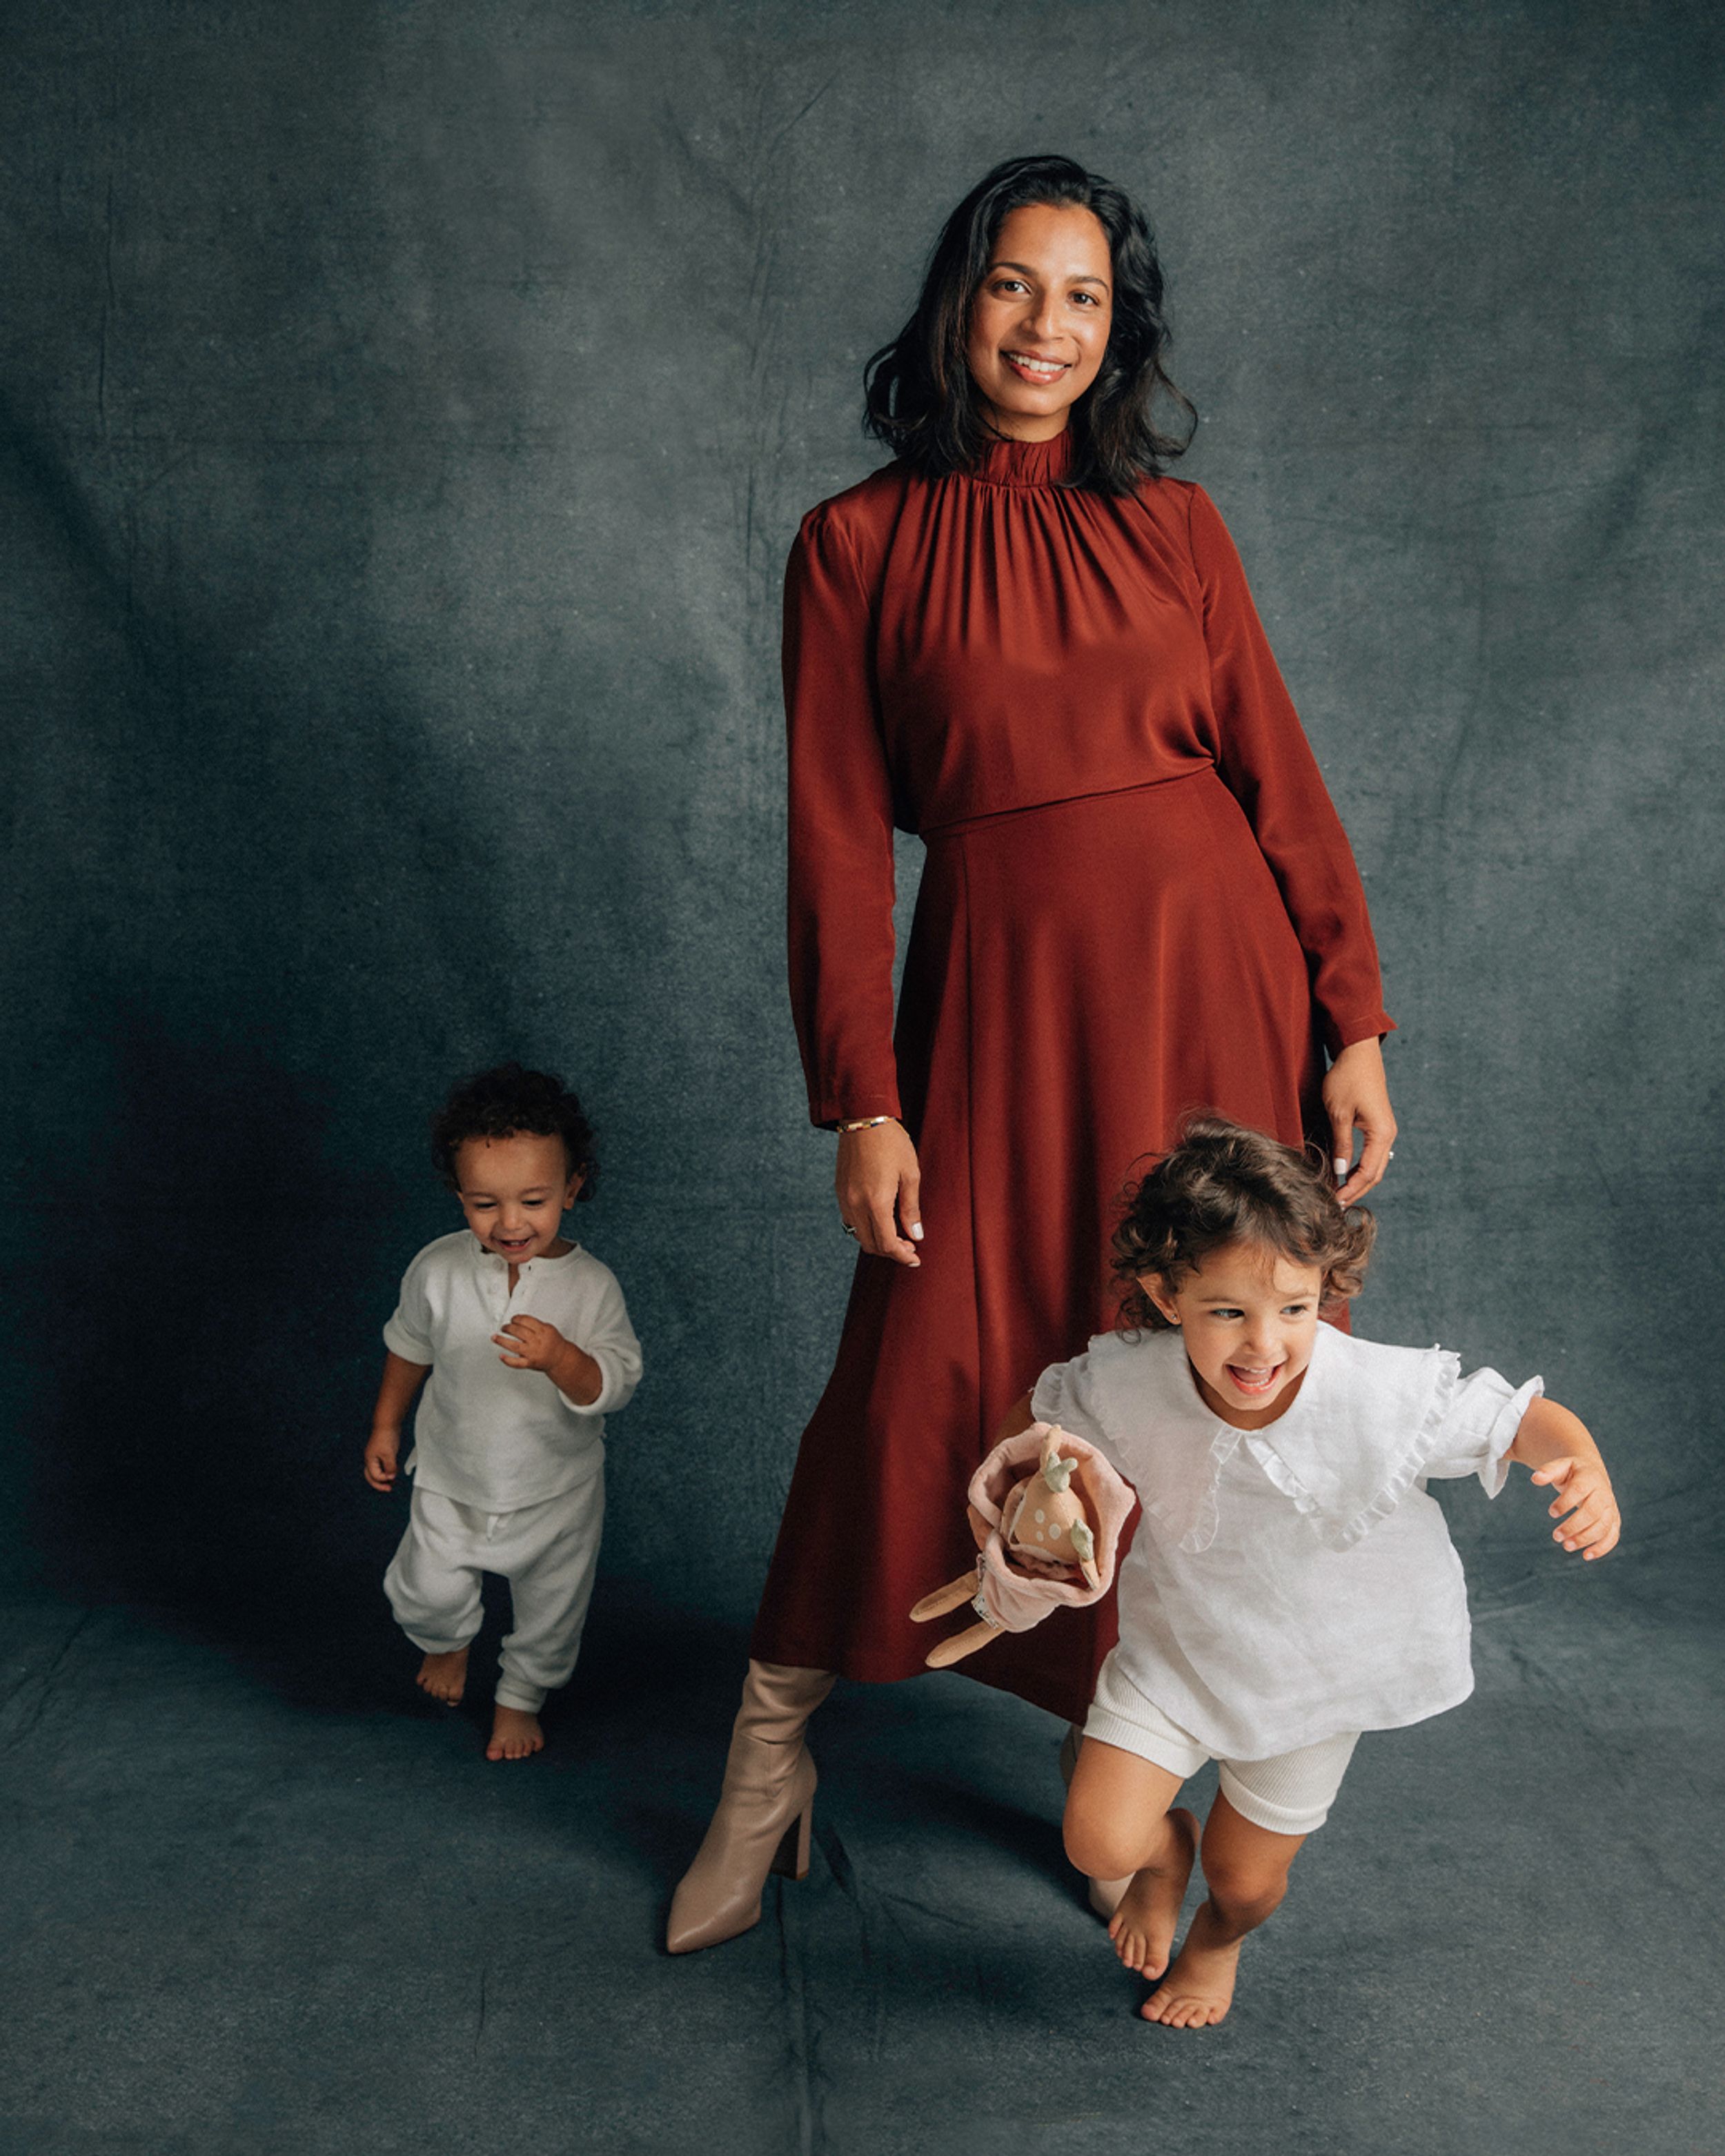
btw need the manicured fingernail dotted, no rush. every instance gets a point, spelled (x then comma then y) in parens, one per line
(916, 1231)
(1341, 1170)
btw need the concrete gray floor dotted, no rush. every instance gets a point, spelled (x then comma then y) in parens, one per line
(263, 1902)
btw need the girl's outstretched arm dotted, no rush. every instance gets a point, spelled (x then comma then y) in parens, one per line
(1558, 1447)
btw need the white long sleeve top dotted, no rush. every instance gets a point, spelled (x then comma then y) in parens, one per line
(485, 1435)
(1288, 1584)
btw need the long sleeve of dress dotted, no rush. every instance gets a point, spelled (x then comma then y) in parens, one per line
(840, 834)
(1267, 763)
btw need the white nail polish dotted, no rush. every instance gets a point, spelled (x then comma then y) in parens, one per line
(1341, 1171)
(916, 1231)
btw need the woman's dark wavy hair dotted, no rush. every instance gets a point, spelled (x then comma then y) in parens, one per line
(509, 1102)
(919, 398)
(1225, 1183)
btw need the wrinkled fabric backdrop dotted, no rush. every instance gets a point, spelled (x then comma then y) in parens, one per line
(407, 409)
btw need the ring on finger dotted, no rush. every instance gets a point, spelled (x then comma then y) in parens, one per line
(849, 1230)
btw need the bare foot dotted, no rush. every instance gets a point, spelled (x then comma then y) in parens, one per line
(444, 1676)
(1198, 1990)
(514, 1735)
(1142, 1925)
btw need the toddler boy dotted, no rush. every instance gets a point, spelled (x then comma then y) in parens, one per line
(529, 1348)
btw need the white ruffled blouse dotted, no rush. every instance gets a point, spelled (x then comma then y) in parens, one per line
(1292, 1582)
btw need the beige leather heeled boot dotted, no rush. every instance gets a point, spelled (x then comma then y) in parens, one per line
(765, 1808)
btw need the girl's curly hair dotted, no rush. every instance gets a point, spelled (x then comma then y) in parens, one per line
(1225, 1183)
(511, 1102)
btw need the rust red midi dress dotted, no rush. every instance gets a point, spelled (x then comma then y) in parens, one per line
(1138, 900)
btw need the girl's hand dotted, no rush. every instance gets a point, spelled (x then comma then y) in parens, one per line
(1017, 1417)
(529, 1343)
(879, 1186)
(1584, 1491)
(382, 1447)
(1357, 1098)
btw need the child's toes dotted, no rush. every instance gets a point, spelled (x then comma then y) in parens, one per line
(515, 1735)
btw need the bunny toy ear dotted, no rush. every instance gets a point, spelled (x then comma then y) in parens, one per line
(1084, 1546)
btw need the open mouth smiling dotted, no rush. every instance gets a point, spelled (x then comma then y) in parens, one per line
(1033, 369)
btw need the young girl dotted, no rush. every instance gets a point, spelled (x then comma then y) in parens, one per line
(1292, 1584)
(530, 1347)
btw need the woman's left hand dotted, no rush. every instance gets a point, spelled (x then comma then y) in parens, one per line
(1356, 1099)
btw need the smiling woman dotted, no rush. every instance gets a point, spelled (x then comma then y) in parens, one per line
(1040, 322)
(1043, 306)
(1023, 641)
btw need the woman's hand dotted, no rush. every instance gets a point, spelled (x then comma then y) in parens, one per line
(1357, 1098)
(879, 1183)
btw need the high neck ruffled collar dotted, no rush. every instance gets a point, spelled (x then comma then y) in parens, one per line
(1026, 463)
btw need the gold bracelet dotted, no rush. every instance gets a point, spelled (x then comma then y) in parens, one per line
(863, 1123)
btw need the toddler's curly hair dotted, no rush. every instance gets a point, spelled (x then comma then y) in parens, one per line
(1225, 1183)
(511, 1102)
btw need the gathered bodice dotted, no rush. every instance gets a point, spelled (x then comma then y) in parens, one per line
(997, 640)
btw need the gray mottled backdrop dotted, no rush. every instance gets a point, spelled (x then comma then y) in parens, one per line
(407, 407)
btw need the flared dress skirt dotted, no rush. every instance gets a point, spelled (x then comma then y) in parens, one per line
(1080, 977)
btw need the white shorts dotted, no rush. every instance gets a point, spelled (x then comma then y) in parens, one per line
(1291, 1793)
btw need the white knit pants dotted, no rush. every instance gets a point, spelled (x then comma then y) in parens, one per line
(547, 1552)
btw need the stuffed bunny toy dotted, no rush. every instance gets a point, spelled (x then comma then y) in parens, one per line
(1046, 1510)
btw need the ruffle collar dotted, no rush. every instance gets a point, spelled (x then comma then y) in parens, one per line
(1026, 463)
(1345, 1453)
